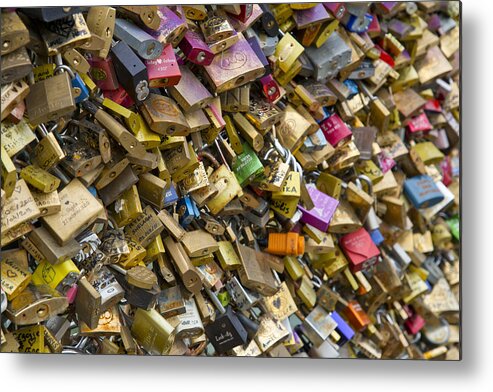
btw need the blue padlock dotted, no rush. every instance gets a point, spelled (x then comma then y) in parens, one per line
(422, 191)
(343, 329)
(187, 210)
(80, 90)
(352, 86)
(377, 237)
(171, 197)
(357, 24)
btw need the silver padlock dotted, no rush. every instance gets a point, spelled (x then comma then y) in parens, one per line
(144, 44)
(331, 57)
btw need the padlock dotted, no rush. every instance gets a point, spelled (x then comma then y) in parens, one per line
(227, 186)
(171, 302)
(164, 116)
(189, 323)
(101, 22)
(145, 227)
(79, 209)
(50, 249)
(131, 71)
(16, 136)
(199, 243)
(422, 191)
(149, 323)
(80, 158)
(19, 208)
(9, 174)
(14, 33)
(15, 65)
(188, 83)
(285, 201)
(145, 45)
(234, 67)
(48, 203)
(254, 275)
(163, 71)
(187, 211)
(190, 276)
(195, 49)
(293, 129)
(50, 99)
(324, 208)
(58, 39)
(59, 276)
(116, 130)
(247, 166)
(146, 15)
(169, 28)
(14, 278)
(36, 304)
(103, 73)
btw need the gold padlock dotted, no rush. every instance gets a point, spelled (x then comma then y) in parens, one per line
(164, 116)
(79, 209)
(145, 227)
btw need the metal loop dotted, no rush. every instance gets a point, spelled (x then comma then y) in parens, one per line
(65, 68)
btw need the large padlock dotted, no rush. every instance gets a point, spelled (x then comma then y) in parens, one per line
(50, 99)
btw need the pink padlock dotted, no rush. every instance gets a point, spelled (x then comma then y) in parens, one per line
(335, 130)
(414, 324)
(195, 48)
(164, 71)
(71, 293)
(419, 123)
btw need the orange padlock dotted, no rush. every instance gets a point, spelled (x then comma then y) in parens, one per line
(356, 316)
(286, 244)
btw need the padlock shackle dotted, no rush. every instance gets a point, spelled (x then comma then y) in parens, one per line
(65, 68)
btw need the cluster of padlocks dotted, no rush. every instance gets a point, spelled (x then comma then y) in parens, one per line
(231, 180)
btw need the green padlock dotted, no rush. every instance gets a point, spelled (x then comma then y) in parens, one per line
(454, 225)
(247, 166)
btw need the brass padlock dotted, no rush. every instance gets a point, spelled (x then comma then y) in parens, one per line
(36, 304)
(164, 116)
(50, 249)
(48, 152)
(145, 227)
(58, 39)
(15, 65)
(50, 99)
(14, 278)
(12, 94)
(149, 323)
(227, 186)
(79, 209)
(190, 276)
(19, 208)
(9, 173)
(14, 33)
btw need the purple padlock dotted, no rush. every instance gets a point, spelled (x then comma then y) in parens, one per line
(320, 215)
(335, 130)
(305, 18)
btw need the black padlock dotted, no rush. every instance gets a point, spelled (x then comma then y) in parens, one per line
(131, 71)
(226, 332)
(268, 21)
